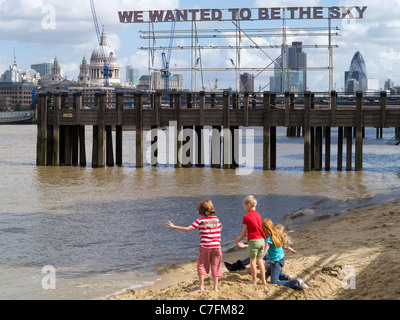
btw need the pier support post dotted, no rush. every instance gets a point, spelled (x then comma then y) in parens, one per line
(118, 129)
(82, 146)
(267, 131)
(98, 154)
(139, 129)
(55, 152)
(287, 114)
(187, 147)
(349, 150)
(177, 107)
(75, 129)
(154, 128)
(340, 149)
(307, 132)
(199, 132)
(41, 147)
(109, 147)
(318, 149)
(273, 136)
(227, 147)
(359, 133)
(327, 148)
(216, 147)
(383, 103)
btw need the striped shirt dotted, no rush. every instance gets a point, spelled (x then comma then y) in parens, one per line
(209, 231)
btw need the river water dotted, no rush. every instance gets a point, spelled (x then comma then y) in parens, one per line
(101, 231)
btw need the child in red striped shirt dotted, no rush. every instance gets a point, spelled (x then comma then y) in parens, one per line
(210, 254)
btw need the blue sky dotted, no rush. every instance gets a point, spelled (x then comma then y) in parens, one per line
(40, 29)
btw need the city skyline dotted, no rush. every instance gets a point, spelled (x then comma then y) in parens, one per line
(40, 31)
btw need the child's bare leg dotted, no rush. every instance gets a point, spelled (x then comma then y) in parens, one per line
(253, 267)
(261, 267)
(201, 283)
(215, 280)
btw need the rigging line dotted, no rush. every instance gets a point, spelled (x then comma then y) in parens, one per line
(201, 61)
(280, 67)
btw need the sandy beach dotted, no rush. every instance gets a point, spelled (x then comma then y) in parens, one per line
(355, 256)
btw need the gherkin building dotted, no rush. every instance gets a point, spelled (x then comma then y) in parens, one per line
(356, 77)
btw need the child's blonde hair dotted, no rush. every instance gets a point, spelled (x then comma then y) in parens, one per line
(284, 237)
(270, 231)
(251, 200)
(206, 208)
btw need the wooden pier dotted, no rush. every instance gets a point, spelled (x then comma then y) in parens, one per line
(62, 120)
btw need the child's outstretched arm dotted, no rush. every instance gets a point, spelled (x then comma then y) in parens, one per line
(292, 250)
(172, 226)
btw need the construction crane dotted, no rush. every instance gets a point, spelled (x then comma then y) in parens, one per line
(107, 60)
(167, 56)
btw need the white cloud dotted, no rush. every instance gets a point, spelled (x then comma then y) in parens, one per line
(285, 3)
(28, 21)
(69, 68)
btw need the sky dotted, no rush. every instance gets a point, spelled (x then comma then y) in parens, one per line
(39, 30)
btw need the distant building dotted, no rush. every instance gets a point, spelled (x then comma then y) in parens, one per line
(16, 94)
(372, 85)
(96, 67)
(352, 86)
(84, 78)
(16, 75)
(290, 73)
(54, 78)
(389, 84)
(247, 82)
(216, 86)
(42, 68)
(132, 75)
(357, 72)
(157, 82)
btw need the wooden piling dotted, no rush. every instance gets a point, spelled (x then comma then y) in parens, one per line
(118, 128)
(139, 129)
(177, 108)
(216, 147)
(327, 148)
(82, 146)
(227, 146)
(340, 149)
(187, 147)
(41, 146)
(267, 131)
(55, 157)
(287, 114)
(349, 149)
(77, 100)
(109, 147)
(307, 132)
(359, 132)
(383, 103)
(98, 153)
(199, 132)
(273, 136)
(318, 149)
